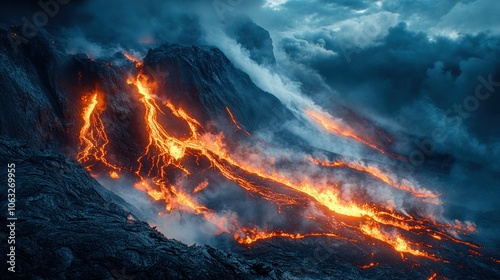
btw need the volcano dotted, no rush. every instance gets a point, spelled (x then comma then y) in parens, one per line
(118, 156)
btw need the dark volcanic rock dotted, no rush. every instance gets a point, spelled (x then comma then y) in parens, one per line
(32, 105)
(42, 89)
(71, 227)
(203, 79)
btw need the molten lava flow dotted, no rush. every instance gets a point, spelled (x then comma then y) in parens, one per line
(397, 242)
(235, 122)
(177, 199)
(298, 187)
(93, 137)
(201, 186)
(384, 177)
(338, 127)
(169, 151)
(133, 58)
(252, 235)
(372, 264)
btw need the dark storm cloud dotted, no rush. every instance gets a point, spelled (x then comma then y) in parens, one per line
(424, 8)
(406, 66)
(62, 14)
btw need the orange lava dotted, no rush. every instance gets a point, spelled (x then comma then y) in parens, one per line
(397, 242)
(201, 186)
(437, 237)
(384, 177)
(165, 152)
(93, 137)
(372, 264)
(235, 122)
(338, 127)
(114, 175)
(252, 235)
(137, 60)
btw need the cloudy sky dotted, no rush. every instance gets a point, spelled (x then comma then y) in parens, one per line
(405, 61)
(412, 65)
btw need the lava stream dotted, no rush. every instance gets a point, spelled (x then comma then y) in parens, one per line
(164, 150)
(235, 122)
(252, 235)
(384, 177)
(171, 150)
(397, 241)
(93, 137)
(338, 127)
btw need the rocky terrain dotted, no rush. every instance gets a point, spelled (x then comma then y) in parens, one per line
(70, 227)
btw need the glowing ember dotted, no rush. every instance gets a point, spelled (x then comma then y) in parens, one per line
(437, 237)
(114, 175)
(372, 264)
(201, 186)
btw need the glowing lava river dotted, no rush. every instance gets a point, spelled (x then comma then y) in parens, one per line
(183, 159)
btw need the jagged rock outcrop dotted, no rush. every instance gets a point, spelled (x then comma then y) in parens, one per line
(203, 78)
(33, 106)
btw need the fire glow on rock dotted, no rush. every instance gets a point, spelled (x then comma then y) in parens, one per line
(316, 186)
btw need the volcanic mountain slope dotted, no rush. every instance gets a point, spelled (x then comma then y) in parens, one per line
(183, 127)
(70, 227)
(32, 103)
(215, 84)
